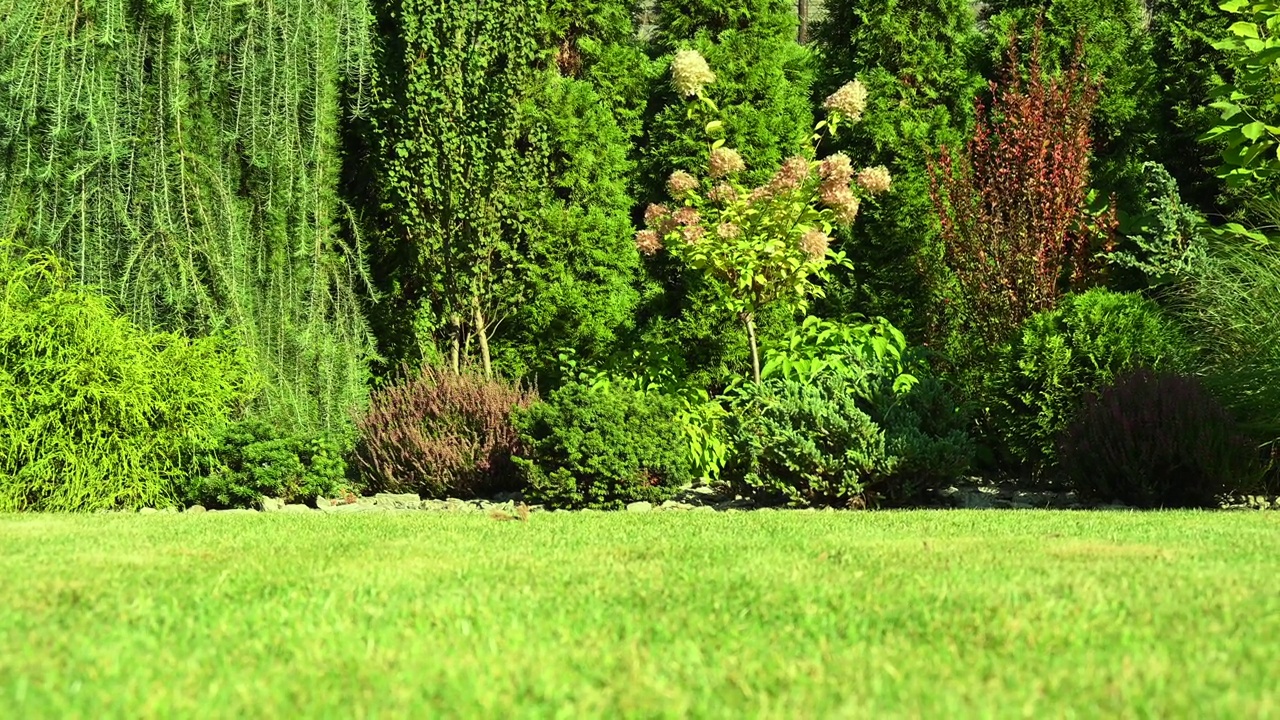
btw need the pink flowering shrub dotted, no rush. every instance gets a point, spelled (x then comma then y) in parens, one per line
(768, 244)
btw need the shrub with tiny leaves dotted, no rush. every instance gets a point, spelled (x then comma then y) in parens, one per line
(1156, 440)
(602, 446)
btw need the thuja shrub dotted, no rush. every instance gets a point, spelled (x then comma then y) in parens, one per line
(602, 446)
(441, 433)
(1040, 378)
(1156, 440)
(254, 458)
(1012, 203)
(95, 412)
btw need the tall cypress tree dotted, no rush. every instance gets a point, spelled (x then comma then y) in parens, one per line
(502, 176)
(182, 156)
(914, 58)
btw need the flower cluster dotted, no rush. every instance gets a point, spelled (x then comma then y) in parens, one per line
(850, 100)
(690, 73)
(725, 162)
(814, 243)
(681, 183)
(724, 193)
(875, 180)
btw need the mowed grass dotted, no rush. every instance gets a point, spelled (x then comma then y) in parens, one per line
(785, 615)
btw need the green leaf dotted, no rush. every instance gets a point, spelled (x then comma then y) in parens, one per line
(1244, 29)
(1254, 130)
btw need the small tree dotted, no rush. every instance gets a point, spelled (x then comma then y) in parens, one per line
(764, 245)
(1013, 203)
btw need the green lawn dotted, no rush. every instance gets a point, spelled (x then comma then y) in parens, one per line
(785, 615)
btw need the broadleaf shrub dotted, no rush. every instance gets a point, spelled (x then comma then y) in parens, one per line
(95, 412)
(253, 458)
(1012, 202)
(438, 433)
(602, 446)
(1060, 356)
(819, 441)
(1156, 440)
(844, 412)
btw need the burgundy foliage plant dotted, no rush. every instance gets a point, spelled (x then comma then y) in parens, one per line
(1012, 204)
(440, 433)
(1156, 440)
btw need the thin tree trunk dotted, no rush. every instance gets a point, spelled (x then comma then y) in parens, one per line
(455, 345)
(482, 335)
(750, 322)
(802, 9)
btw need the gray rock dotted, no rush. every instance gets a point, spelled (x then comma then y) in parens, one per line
(295, 508)
(324, 503)
(239, 511)
(402, 501)
(639, 507)
(971, 500)
(196, 509)
(703, 509)
(434, 505)
(147, 511)
(270, 504)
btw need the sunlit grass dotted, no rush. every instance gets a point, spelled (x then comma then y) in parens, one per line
(921, 614)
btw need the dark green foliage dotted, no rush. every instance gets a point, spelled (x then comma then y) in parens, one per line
(1117, 46)
(913, 56)
(504, 184)
(439, 433)
(1156, 440)
(182, 156)
(1188, 68)
(252, 459)
(596, 41)
(449, 82)
(1062, 355)
(822, 441)
(579, 267)
(804, 442)
(95, 412)
(602, 447)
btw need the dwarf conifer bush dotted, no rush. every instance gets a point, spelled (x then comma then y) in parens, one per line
(844, 414)
(603, 446)
(1156, 440)
(254, 458)
(95, 412)
(441, 433)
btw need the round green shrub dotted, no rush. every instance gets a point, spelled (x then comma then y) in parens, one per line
(1156, 440)
(254, 458)
(602, 447)
(96, 413)
(1061, 355)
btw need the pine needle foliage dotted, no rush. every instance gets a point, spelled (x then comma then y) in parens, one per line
(181, 155)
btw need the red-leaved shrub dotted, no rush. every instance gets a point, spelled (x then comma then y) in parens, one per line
(1156, 441)
(439, 433)
(1013, 204)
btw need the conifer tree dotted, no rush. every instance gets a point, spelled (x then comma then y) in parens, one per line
(913, 56)
(183, 157)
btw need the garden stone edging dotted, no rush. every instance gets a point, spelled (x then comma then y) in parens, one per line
(969, 493)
